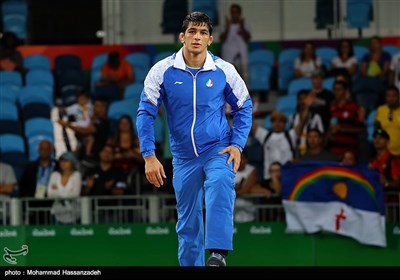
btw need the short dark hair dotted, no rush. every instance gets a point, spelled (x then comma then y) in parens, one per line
(197, 18)
(316, 130)
(343, 84)
(394, 88)
(237, 6)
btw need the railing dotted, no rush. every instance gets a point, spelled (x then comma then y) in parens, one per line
(138, 209)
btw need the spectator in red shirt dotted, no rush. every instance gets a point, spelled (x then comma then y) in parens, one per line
(387, 164)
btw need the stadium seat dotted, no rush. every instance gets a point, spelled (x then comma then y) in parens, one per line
(391, 49)
(95, 75)
(358, 13)
(40, 77)
(35, 94)
(140, 63)
(99, 60)
(133, 91)
(161, 55)
(286, 66)
(10, 127)
(12, 143)
(71, 81)
(298, 84)
(14, 17)
(39, 127)
(326, 54)
(8, 111)
(35, 110)
(11, 78)
(37, 61)
(286, 104)
(328, 83)
(120, 108)
(260, 69)
(8, 94)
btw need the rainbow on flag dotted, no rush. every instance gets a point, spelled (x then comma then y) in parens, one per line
(325, 196)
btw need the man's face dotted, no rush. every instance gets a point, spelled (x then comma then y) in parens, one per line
(196, 38)
(392, 98)
(314, 140)
(45, 149)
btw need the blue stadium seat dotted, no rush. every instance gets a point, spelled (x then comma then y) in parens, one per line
(65, 62)
(12, 143)
(286, 66)
(71, 81)
(359, 13)
(326, 54)
(161, 55)
(35, 110)
(286, 104)
(39, 127)
(10, 127)
(298, 84)
(123, 107)
(95, 75)
(328, 83)
(133, 91)
(35, 94)
(140, 63)
(391, 49)
(260, 69)
(40, 77)
(11, 78)
(8, 111)
(209, 7)
(8, 94)
(14, 16)
(120, 108)
(359, 52)
(99, 60)
(37, 61)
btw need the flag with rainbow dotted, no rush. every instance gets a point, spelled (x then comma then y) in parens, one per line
(325, 196)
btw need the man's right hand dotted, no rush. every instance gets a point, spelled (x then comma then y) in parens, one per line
(154, 171)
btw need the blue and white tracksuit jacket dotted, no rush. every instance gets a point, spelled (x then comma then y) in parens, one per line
(198, 130)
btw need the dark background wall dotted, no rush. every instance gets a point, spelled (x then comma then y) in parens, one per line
(78, 25)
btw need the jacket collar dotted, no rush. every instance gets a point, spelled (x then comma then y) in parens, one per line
(180, 62)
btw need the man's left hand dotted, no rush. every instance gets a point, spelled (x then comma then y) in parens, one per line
(234, 155)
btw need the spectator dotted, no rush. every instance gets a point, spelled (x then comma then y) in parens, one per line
(345, 61)
(10, 58)
(387, 164)
(321, 98)
(65, 184)
(315, 148)
(234, 41)
(245, 181)
(81, 112)
(95, 135)
(349, 158)
(36, 176)
(278, 144)
(388, 118)
(127, 155)
(105, 178)
(347, 121)
(8, 181)
(376, 62)
(394, 73)
(116, 72)
(308, 61)
(313, 119)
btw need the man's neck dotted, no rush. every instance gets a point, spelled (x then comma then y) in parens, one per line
(315, 151)
(194, 60)
(44, 162)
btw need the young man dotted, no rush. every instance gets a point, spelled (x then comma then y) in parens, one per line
(194, 85)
